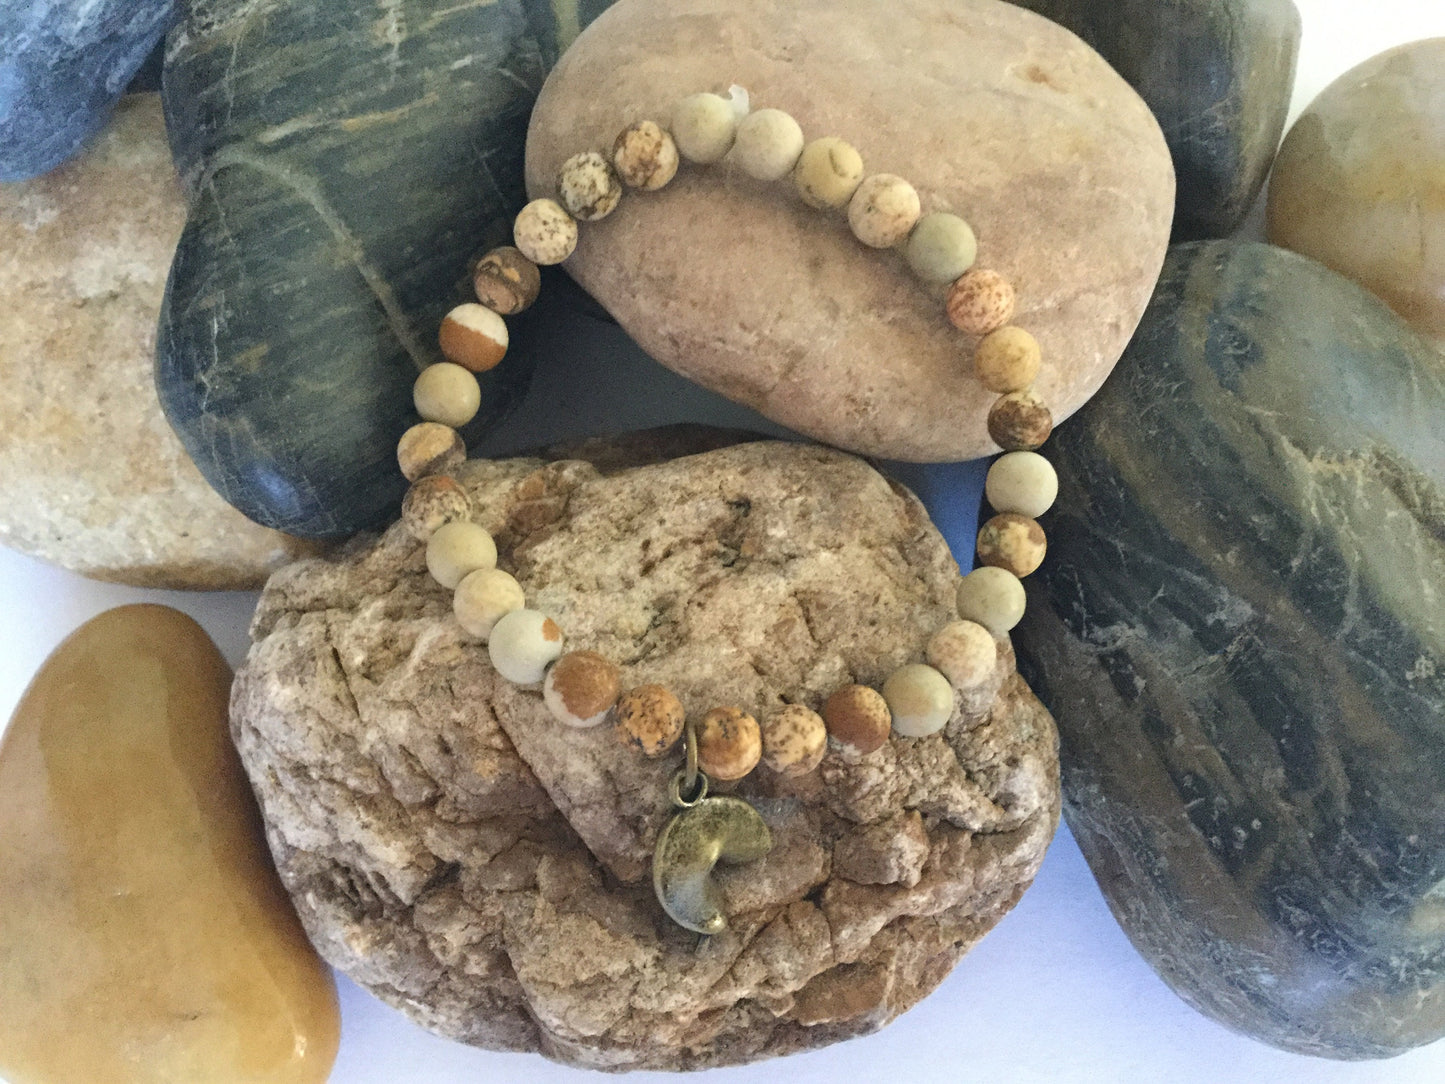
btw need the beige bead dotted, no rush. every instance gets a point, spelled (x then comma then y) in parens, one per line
(768, 144)
(522, 644)
(588, 186)
(431, 502)
(544, 232)
(429, 448)
(1020, 421)
(703, 127)
(1012, 542)
(1007, 359)
(483, 598)
(994, 598)
(506, 281)
(447, 393)
(883, 210)
(828, 173)
(794, 740)
(964, 652)
(1022, 482)
(857, 718)
(474, 337)
(980, 301)
(650, 718)
(920, 699)
(456, 550)
(645, 156)
(581, 688)
(941, 247)
(729, 743)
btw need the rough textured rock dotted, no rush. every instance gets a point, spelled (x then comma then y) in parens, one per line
(62, 67)
(989, 110)
(1357, 183)
(91, 476)
(1240, 630)
(485, 869)
(1218, 75)
(343, 162)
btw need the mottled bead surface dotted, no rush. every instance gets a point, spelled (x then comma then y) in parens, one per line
(703, 127)
(429, 448)
(1012, 542)
(645, 156)
(980, 301)
(729, 743)
(484, 597)
(581, 687)
(1007, 359)
(457, 549)
(857, 718)
(828, 173)
(993, 597)
(795, 738)
(883, 210)
(433, 501)
(544, 232)
(767, 144)
(920, 700)
(1022, 482)
(964, 652)
(941, 247)
(474, 337)
(1020, 421)
(522, 644)
(506, 282)
(447, 393)
(650, 718)
(588, 186)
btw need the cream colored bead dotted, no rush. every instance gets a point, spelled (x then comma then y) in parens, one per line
(458, 549)
(581, 688)
(768, 144)
(522, 645)
(432, 502)
(484, 597)
(447, 393)
(794, 740)
(703, 127)
(544, 232)
(883, 210)
(993, 597)
(1007, 360)
(828, 173)
(474, 337)
(941, 247)
(589, 186)
(645, 156)
(1022, 482)
(920, 698)
(429, 448)
(965, 653)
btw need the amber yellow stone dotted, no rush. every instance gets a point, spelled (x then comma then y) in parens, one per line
(144, 936)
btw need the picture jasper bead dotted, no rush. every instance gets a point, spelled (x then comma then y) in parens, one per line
(729, 743)
(456, 550)
(965, 653)
(588, 186)
(447, 393)
(581, 687)
(857, 718)
(1007, 360)
(794, 740)
(993, 597)
(1022, 482)
(920, 700)
(883, 210)
(767, 144)
(506, 282)
(1012, 542)
(431, 502)
(980, 301)
(544, 232)
(474, 337)
(484, 597)
(645, 156)
(650, 718)
(522, 644)
(429, 448)
(828, 173)
(1020, 421)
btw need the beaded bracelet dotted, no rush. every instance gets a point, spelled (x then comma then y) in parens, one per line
(582, 688)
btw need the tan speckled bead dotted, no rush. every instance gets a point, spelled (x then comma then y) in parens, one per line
(581, 687)
(544, 232)
(703, 127)
(941, 247)
(828, 173)
(474, 337)
(729, 743)
(588, 186)
(767, 144)
(447, 393)
(993, 597)
(1020, 421)
(794, 740)
(645, 156)
(858, 718)
(1012, 542)
(431, 502)
(506, 281)
(980, 301)
(1007, 359)
(456, 550)
(1022, 482)
(964, 652)
(920, 699)
(883, 210)
(650, 718)
(484, 597)
(429, 448)
(522, 644)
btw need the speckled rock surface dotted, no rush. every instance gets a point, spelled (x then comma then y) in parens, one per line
(486, 869)
(989, 110)
(91, 476)
(1240, 630)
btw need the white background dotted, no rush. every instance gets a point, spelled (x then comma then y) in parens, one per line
(1054, 993)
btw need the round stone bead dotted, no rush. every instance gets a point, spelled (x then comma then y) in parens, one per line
(1007, 359)
(429, 448)
(431, 502)
(588, 186)
(1020, 421)
(522, 644)
(1022, 482)
(980, 301)
(1012, 542)
(994, 598)
(650, 718)
(456, 550)
(828, 173)
(703, 126)
(484, 597)
(506, 281)
(857, 718)
(581, 688)
(767, 144)
(645, 156)
(883, 210)
(920, 698)
(964, 652)
(729, 743)
(941, 247)
(474, 337)
(447, 393)
(794, 740)
(544, 232)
